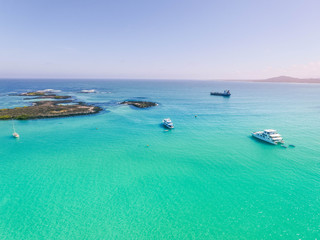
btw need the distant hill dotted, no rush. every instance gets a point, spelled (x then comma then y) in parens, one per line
(291, 80)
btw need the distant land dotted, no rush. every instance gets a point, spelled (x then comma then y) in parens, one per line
(286, 79)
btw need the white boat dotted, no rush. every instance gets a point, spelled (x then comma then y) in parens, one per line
(14, 134)
(269, 135)
(168, 123)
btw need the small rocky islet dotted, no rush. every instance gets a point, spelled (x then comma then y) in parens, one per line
(59, 106)
(140, 104)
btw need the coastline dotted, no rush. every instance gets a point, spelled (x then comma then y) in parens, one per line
(265, 81)
(283, 79)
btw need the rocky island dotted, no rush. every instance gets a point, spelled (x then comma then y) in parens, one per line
(140, 104)
(48, 108)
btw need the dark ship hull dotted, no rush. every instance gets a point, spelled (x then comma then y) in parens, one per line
(221, 94)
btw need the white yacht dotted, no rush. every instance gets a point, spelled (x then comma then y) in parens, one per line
(168, 123)
(269, 135)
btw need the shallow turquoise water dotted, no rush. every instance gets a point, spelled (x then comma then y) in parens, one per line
(95, 177)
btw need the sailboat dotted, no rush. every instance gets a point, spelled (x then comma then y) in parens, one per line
(14, 134)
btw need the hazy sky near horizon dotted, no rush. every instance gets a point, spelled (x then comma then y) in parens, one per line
(171, 39)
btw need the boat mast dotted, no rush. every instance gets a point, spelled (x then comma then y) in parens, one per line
(14, 130)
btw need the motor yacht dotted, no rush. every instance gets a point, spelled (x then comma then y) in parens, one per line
(269, 135)
(167, 123)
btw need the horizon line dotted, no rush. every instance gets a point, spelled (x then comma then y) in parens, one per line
(156, 79)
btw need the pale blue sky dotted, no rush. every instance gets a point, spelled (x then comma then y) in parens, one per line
(171, 39)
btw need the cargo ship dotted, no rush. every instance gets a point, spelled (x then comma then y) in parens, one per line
(226, 93)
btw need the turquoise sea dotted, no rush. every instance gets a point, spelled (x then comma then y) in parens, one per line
(120, 175)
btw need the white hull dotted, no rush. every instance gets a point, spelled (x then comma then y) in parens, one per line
(167, 123)
(264, 139)
(168, 126)
(15, 135)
